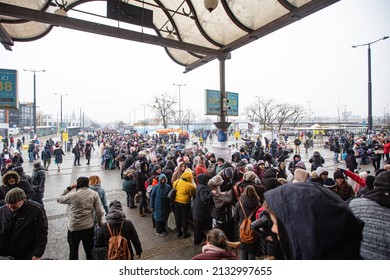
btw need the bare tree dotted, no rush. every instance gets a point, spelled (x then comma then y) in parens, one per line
(263, 112)
(163, 107)
(283, 113)
(188, 118)
(297, 116)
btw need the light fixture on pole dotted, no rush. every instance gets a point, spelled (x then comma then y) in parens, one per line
(309, 111)
(179, 86)
(35, 99)
(369, 118)
(61, 94)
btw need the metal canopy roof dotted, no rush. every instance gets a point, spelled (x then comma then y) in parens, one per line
(191, 34)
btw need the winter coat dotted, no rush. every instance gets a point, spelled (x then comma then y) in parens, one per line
(115, 217)
(304, 212)
(24, 185)
(249, 204)
(23, 233)
(102, 195)
(58, 153)
(46, 153)
(38, 178)
(316, 160)
(129, 185)
(159, 201)
(269, 180)
(142, 176)
(203, 201)
(211, 252)
(185, 189)
(374, 206)
(82, 204)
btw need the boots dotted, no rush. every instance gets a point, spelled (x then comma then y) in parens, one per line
(141, 213)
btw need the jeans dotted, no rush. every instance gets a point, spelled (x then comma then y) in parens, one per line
(30, 156)
(336, 157)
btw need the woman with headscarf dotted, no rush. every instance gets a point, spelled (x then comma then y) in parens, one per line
(115, 218)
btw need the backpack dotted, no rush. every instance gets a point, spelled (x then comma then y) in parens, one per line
(247, 235)
(118, 247)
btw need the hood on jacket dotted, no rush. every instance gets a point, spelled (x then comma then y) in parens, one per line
(314, 223)
(115, 212)
(299, 157)
(187, 176)
(162, 175)
(316, 154)
(142, 167)
(9, 175)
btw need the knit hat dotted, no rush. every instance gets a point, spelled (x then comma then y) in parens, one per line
(15, 195)
(338, 175)
(329, 183)
(382, 180)
(82, 182)
(301, 165)
(320, 170)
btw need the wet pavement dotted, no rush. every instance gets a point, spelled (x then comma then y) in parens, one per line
(154, 247)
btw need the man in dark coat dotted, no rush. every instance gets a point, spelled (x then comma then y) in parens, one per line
(23, 227)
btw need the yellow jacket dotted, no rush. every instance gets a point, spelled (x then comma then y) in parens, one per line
(185, 189)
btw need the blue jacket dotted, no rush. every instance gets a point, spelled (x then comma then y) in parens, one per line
(159, 201)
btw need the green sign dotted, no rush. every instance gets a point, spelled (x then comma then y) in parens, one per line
(213, 102)
(8, 89)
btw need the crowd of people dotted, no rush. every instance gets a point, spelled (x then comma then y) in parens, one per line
(291, 204)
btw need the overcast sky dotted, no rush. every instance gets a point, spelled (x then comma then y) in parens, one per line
(310, 62)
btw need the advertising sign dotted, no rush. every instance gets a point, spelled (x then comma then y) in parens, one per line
(213, 102)
(8, 89)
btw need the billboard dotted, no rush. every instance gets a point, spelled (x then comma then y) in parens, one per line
(213, 102)
(8, 89)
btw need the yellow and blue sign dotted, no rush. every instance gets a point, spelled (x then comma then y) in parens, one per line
(8, 89)
(213, 102)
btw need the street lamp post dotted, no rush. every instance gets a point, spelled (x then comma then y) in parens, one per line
(35, 99)
(179, 85)
(369, 118)
(60, 94)
(309, 111)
